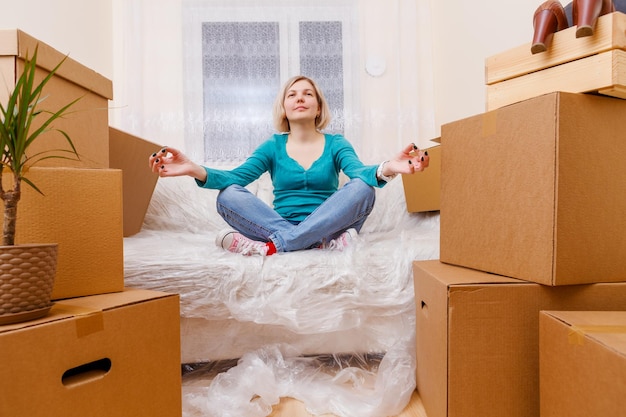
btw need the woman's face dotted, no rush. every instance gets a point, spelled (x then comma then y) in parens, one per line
(301, 102)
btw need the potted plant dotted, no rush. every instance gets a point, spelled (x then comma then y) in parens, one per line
(26, 270)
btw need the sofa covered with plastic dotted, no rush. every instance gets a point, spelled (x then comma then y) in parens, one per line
(279, 315)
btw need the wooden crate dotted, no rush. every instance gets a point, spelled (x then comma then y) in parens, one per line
(577, 65)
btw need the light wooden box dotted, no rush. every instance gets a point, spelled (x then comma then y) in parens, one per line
(594, 64)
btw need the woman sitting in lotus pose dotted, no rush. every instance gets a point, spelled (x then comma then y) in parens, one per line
(310, 210)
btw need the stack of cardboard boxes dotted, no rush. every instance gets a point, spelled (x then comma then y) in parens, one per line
(103, 350)
(523, 315)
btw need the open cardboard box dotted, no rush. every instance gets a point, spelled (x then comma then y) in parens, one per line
(478, 337)
(535, 190)
(422, 190)
(87, 122)
(577, 65)
(582, 363)
(112, 355)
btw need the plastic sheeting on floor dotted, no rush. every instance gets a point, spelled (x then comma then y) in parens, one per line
(326, 385)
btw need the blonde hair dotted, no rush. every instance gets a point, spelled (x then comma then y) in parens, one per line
(280, 117)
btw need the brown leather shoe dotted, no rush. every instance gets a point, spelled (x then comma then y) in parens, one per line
(548, 18)
(586, 12)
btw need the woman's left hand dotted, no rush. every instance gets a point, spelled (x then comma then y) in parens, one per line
(410, 160)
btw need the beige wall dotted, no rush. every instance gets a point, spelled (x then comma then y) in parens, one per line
(80, 28)
(464, 33)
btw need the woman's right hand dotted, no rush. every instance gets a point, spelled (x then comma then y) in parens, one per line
(409, 161)
(170, 162)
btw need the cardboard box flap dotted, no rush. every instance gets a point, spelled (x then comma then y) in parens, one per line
(463, 276)
(422, 190)
(14, 42)
(105, 302)
(90, 305)
(8, 42)
(606, 327)
(129, 153)
(582, 362)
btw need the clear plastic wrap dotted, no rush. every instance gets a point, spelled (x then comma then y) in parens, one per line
(294, 306)
(262, 377)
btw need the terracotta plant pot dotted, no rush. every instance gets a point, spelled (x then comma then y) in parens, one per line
(27, 275)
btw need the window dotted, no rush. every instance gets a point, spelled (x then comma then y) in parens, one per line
(240, 77)
(236, 59)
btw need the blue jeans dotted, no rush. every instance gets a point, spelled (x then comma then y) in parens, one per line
(347, 208)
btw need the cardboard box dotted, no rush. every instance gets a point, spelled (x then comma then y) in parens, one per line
(577, 65)
(582, 363)
(100, 356)
(81, 210)
(534, 190)
(130, 154)
(422, 190)
(87, 123)
(478, 337)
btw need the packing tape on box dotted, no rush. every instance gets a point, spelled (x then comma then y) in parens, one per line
(576, 335)
(490, 121)
(88, 320)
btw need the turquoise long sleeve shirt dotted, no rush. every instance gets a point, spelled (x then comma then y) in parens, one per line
(297, 191)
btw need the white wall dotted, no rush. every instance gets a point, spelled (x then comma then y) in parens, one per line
(396, 106)
(148, 70)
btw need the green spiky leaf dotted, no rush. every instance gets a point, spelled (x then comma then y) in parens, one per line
(17, 134)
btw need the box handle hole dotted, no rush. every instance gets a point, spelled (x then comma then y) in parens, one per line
(86, 373)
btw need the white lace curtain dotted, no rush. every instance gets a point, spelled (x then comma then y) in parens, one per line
(241, 76)
(202, 75)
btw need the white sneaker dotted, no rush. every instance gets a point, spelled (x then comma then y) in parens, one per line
(343, 241)
(235, 242)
